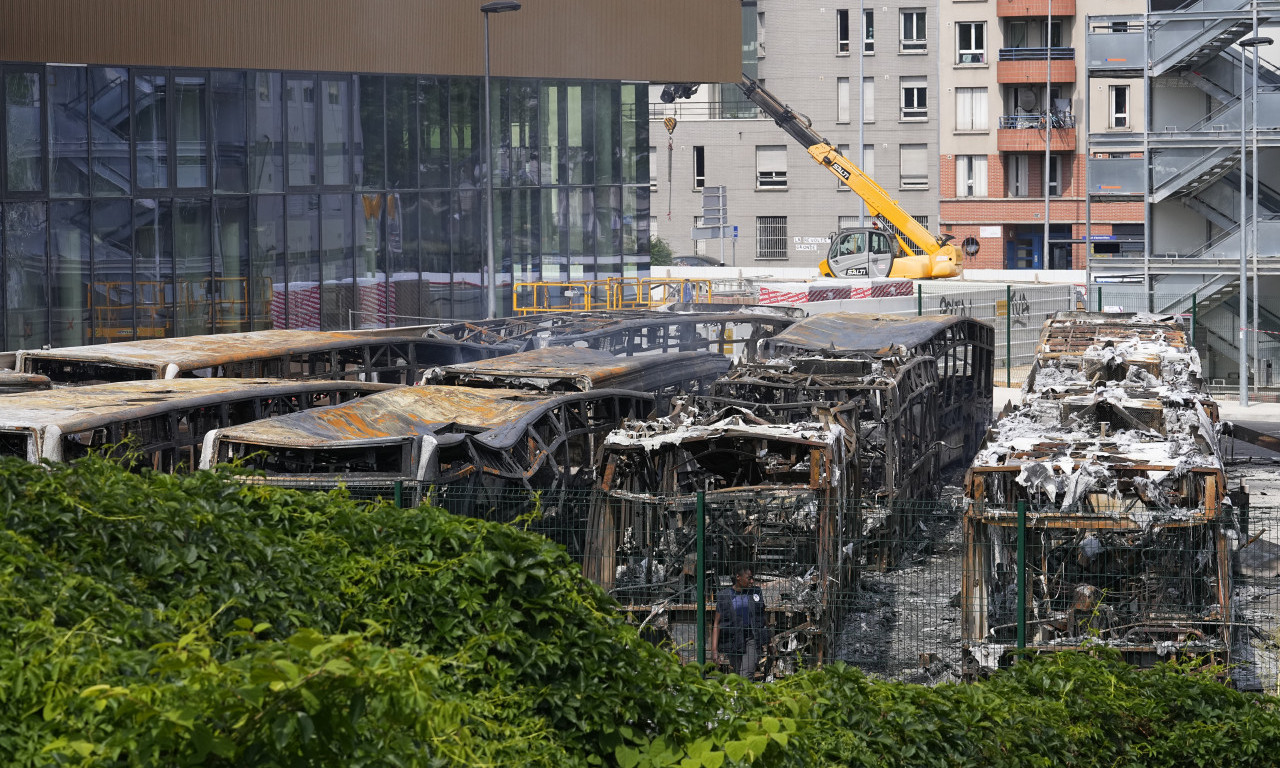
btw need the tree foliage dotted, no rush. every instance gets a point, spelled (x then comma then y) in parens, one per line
(156, 620)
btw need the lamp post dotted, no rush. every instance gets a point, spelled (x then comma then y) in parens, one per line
(497, 6)
(1243, 347)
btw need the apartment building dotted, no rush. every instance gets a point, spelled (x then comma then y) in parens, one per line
(1014, 129)
(867, 77)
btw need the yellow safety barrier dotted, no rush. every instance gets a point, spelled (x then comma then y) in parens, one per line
(608, 294)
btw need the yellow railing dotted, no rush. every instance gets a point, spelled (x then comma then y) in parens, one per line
(609, 293)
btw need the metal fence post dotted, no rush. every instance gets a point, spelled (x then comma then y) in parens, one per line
(1008, 335)
(1099, 298)
(701, 571)
(1022, 574)
(1194, 311)
(400, 494)
(919, 300)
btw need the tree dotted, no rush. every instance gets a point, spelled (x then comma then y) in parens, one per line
(659, 252)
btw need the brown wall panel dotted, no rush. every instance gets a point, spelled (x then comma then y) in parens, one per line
(658, 40)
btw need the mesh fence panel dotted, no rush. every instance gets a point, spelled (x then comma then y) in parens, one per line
(923, 592)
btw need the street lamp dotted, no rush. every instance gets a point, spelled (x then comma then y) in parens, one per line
(1242, 348)
(497, 6)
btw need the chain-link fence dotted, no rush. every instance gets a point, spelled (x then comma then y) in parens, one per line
(926, 592)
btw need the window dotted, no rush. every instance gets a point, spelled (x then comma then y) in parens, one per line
(868, 32)
(653, 169)
(913, 36)
(699, 246)
(699, 167)
(914, 162)
(971, 175)
(844, 150)
(760, 34)
(915, 102)
(771, 237)
(971, 109)
(868, 99)
(771, 167)
(842, 99)
(842, 30)
(971, 42)
(1055, 176)
(1017, 176)
(1119, 107)
(869, 160)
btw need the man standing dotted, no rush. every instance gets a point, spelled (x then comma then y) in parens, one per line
(739, 629)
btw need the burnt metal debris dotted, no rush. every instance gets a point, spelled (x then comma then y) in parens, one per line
(783, 497)
(735, 331)
(365, 355)
(814, 461)
(1114, 456)
(165, 420)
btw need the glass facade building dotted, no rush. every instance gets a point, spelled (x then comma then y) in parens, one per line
(148, 202)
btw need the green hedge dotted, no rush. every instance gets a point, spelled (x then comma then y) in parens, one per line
(158, 620)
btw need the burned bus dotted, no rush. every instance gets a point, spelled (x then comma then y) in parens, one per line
(732, 331)
(397, 356)
(479, 452)
(579, 369)
(1111, 463)
(781, 498)
(157, 424)
(962, 348)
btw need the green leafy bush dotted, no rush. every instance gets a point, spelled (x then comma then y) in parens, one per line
(157, 620)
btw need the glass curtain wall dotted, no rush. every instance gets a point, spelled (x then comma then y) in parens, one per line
(149, 202)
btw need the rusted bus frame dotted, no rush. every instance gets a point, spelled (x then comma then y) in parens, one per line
(892, 413)
(1069, 334)
(1209, 624)
(655, 510)
(580, 369)
(465, 467)
(623, 333)
(964, 349)
(165, 422)
(254, 354)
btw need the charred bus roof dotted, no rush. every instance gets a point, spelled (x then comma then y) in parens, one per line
(567, 369)
(39, 424)
(278, 353)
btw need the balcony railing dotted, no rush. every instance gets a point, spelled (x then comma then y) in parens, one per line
(1057, 53)
(1057, 120)
(705, 110)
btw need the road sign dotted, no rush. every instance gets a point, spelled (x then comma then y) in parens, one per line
(711, 233)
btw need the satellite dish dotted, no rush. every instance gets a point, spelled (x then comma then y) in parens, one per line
(1027, 99)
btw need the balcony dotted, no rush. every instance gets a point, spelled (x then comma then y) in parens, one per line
(1025, 133)
(1041, 8)
(1027, 65)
